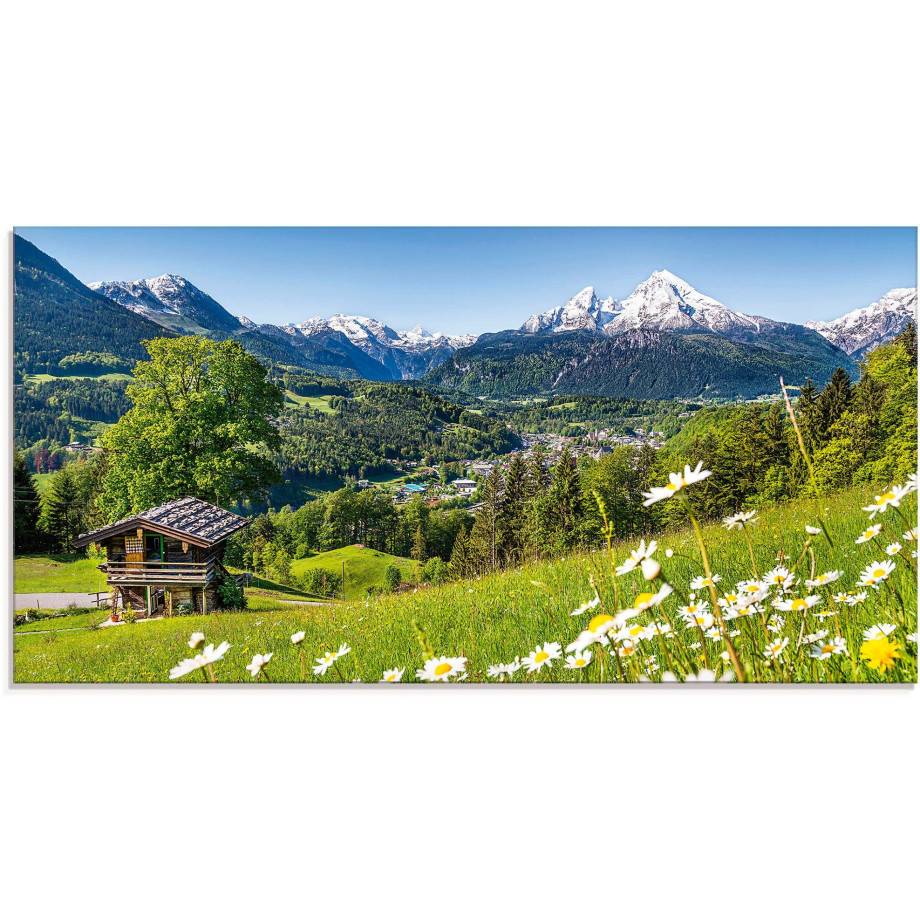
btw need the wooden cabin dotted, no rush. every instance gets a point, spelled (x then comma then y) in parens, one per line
(164, 557)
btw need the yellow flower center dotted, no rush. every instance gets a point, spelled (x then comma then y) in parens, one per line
(827, 649)
(879, 573)
(752, 588)
(444, 668)
(691, 608)
(798, 604)
(540, 656)
(391, 677)
(731, 598)
(646, 597)
(887, 497)
(671, 487)
(580, 663)
(635, 630)
(598, 621)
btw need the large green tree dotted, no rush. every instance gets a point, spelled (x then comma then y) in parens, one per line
(204, 416)
(26, 536)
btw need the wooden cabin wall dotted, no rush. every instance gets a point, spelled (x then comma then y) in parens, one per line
(174, 551)
(114, 546)
(134, 595)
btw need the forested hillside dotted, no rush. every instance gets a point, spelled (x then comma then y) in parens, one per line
(356, 432)
(56, 316)
(637, 364)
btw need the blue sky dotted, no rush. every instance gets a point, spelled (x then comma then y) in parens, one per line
(484, 279)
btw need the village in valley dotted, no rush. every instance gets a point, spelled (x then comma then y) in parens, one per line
(428, 483)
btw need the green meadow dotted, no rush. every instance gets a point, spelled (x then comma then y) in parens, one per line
(500, 617)
(364, 568)
(55, 573)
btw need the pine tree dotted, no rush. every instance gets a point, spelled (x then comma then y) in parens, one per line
(485, 537)
(516, 513)
(419, 549)
(834, 400)
(562, 509)
(26, 535)
(806, 411)
(460, 556)
(61, 509)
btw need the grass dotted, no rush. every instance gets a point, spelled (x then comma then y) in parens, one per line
(44, 378)
(363, 567)
(62, 573)
(42, 481)
(497, 617)
(80, 619)
(314, 402)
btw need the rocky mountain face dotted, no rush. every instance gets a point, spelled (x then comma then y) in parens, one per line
(861, 330)
(358, 345)
(171, 301)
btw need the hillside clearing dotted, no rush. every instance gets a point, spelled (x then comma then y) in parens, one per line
(498, 617)
(364, 567)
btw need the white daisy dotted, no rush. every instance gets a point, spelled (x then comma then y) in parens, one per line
(879, 631)
(739, 520)
(890, 499)
(585, 607)
(677, 481)
(775, 648)
(870, 533)
(702, 582)
(797, 604)
(394, 676)
(441, 669)
(823, 650)
(256, 666)
(324, 663)
(876, 572)
(207, 656)
(576, 662)
(824, 579)
(542, 656)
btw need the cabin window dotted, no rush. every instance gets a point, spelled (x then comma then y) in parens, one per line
(133, 545)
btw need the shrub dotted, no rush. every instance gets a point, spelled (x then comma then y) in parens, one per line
(230, 596)
(129, 614)
(392, 577)
(321, 581)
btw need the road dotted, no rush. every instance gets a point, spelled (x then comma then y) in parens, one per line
(54, 601)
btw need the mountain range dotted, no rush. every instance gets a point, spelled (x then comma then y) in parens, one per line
(666, 337)
(861, 330)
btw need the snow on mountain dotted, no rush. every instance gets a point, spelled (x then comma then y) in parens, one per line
(368, 333)
(168, 300)
(584, 311)
(663, 303)
(863, 329)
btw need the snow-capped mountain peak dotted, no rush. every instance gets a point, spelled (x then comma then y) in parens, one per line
(863, 329)
(663, 302)
(170, 300)
(584, 311)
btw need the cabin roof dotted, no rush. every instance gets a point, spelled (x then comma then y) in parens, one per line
(192, 520)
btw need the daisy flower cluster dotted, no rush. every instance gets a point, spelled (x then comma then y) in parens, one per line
(660, 616)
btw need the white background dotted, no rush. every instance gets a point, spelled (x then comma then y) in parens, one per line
(705, 802)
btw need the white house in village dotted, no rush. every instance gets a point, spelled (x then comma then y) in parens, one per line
(464, 486)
